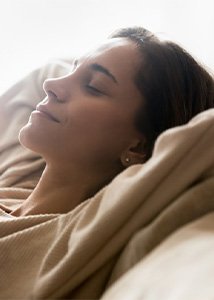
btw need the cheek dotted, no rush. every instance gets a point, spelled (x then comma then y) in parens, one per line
(104, 129)
(104, 116)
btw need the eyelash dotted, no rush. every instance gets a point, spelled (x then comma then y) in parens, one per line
(94, 91)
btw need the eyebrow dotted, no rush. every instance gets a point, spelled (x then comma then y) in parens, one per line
(105, 71)
(99, 68)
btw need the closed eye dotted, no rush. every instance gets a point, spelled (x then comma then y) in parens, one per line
(94, 90)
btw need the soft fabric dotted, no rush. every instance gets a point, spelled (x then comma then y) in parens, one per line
(79, 254)
(181, 268)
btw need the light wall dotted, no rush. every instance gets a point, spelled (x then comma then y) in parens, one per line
(32, 32)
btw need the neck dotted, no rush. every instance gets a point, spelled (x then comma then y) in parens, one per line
(59, 193)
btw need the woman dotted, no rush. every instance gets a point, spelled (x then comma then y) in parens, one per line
(106, 114)
(96, 121)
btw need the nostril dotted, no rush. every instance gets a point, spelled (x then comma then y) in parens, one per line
(52, 96)
(54, 89)
(49, 88)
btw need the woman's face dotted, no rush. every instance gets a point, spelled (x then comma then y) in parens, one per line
(93, 109)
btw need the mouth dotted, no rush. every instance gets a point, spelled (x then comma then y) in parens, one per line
(44, 113)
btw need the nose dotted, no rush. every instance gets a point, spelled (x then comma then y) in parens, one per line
(55, 89)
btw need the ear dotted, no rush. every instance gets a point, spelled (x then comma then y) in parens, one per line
(134, 154)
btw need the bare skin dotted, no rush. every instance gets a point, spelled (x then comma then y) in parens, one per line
(91, 132)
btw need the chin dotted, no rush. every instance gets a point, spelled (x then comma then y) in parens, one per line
(29, 138)
(24, 137)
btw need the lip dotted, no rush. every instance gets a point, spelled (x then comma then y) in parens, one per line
(45, 113)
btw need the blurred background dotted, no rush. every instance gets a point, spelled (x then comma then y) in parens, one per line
(33, 32)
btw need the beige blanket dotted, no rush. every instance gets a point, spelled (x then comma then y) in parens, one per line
(80, 254)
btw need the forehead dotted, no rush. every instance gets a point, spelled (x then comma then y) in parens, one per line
(119, 55)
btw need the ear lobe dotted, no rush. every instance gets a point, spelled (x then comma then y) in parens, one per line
(135, 154)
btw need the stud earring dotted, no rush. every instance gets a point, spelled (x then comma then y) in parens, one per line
(127, 159)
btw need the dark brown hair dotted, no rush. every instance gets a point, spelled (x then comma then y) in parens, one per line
(173, 85)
